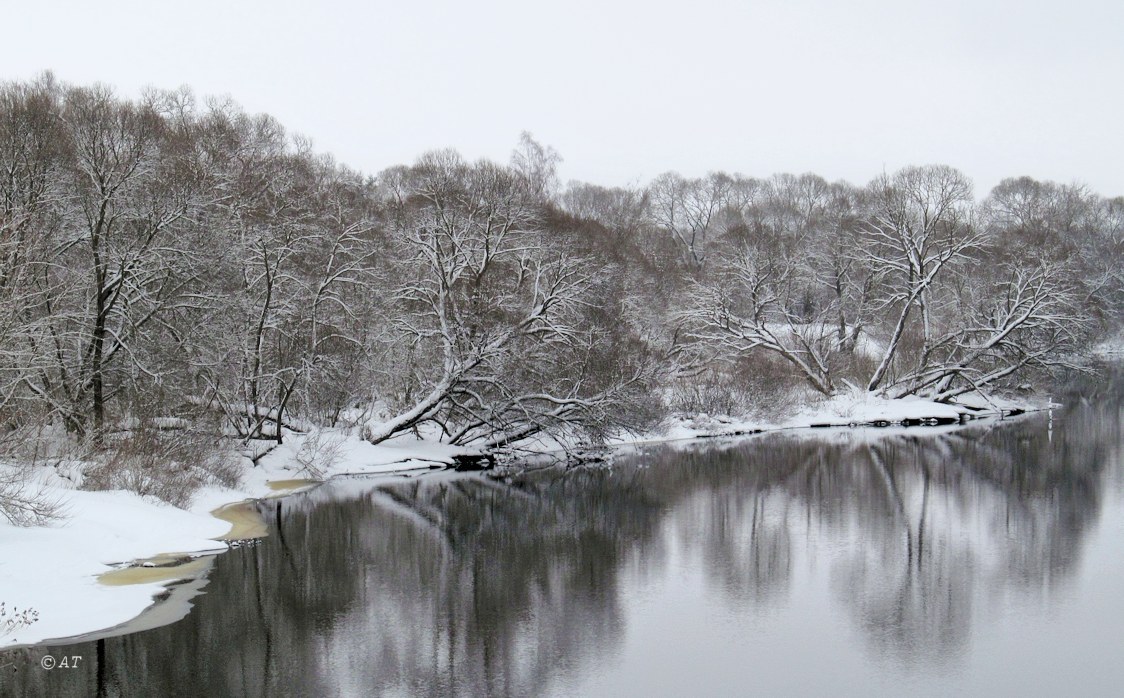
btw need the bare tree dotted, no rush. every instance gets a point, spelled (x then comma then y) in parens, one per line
(1032, 220)
(295, 261)
(688, 209)
(840, 266)
(752, 300)
(164, 259)
(491, 302)
(621, 210)
(1106, 252)
(537, 167)
(125, 187)
(479, 285)
(919, 227)
(30, 164)
(783, 281)
(914, 251)
(1027, 318)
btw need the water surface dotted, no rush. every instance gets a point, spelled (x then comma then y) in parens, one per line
(989, 561)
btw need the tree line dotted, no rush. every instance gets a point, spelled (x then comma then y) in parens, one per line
(176, 263)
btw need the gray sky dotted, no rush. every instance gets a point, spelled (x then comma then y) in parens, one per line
(627, 89)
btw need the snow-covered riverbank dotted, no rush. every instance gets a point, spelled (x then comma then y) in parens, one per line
(856, 409)
(56, 569)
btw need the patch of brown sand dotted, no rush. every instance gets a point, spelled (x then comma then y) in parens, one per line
(284, 487)
(244, 519)
(162, 568)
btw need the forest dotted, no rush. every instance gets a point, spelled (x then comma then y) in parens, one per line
(179, 277)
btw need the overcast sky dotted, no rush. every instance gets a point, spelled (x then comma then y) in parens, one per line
(627, 89)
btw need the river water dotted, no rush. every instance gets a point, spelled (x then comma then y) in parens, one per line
(987, 561)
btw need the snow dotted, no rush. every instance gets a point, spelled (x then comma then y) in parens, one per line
(54, 569)
(1110, 348)
(846, 409)
(861, 408)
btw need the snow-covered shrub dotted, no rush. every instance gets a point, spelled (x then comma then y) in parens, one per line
(14, 619)
(23, 504)
(318, 452)
(758, 386)
(169, 465)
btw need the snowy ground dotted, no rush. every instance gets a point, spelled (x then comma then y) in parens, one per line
(849, 409)
(1110, 348)
(56, 569)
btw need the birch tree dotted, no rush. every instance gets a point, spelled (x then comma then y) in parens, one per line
(537, 167)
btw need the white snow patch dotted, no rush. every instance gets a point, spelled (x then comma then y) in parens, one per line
(848, 409)
(860, 407)
(1110, 348)
(53, 569)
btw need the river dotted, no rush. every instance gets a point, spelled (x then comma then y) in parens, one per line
(984, 561)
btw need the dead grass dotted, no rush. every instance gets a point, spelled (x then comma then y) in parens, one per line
(24, 504)
(167, 464)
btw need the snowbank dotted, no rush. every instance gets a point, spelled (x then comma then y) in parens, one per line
(1110, 348)
(55, 569)
(855, 408)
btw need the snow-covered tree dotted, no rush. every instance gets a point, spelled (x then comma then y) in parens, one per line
(760, 292)
(490, 308)
(292, 266)
(918, 231)
(688, 210)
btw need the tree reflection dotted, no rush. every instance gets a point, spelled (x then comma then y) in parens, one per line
(471, 586)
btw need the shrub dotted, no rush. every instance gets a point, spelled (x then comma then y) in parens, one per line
(758, 385)
(14, 619)
(21, 504)
(167, 464)
(318, 452)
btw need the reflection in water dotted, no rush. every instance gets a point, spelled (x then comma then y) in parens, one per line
(468, 586)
